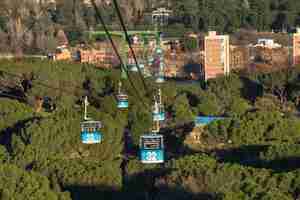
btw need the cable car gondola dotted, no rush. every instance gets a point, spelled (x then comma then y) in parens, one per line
(158, 109)
(160, 78)
(152, 147)
(90, 129)
(158, 112)
(90, 132)
(122, 98)
(160, 75)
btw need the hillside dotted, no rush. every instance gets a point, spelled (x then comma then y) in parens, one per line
(35, 27)
(43, 147)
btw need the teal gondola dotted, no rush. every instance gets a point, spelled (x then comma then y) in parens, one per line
(90, 129)
(158, 113)
(152, 149)
(122, 98)
(122, 101)
(90, 132)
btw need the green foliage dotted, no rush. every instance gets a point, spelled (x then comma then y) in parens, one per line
(264, 127)
(57, 137)
(12, 112)
(49, 145)
(209, 105)
(18, 184)
(218, 131)
(233, 181)
(281, 151)
(238, 107)
(83, 171)
(140, 122)
(3, 23)
(4, 156)
(191, 44)
(182, 109)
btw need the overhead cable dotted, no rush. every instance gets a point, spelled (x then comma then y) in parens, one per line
(129, 44)
(98, 14)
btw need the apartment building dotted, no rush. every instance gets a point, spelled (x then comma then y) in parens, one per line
(216, 53)
(296, 47)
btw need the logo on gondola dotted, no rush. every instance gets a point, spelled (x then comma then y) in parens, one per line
(91, 138)
(151, 156)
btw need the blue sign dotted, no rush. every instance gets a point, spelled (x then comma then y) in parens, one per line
(91, 138)
(152, 156)
(123, 104)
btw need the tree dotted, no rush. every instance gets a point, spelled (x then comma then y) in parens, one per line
(62, 38)
(19, 184)
(238, 107)
(209, 105)
(183, 112)
(20, 14)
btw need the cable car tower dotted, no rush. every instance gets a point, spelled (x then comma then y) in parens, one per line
(122, 98)
(90, 130)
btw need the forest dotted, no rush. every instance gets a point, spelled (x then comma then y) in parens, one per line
(32, 28)
(252, 154)
(42, 156)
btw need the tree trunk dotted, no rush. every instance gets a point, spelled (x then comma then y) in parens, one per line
(18, 40)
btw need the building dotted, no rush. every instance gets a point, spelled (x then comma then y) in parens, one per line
(99, 57)
(216, 53)
(239, 57)
(296, 47)
(267, 43)
(195, 136)
(161, 16)
(99, 2)
(61, 53)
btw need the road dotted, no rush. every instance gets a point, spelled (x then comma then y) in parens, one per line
(11, 56)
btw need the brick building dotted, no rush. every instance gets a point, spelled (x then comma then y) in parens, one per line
(296, 48)
(98, 57)
(239, 57)
(216, 50)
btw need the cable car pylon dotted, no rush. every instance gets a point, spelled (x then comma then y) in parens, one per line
(90, 129)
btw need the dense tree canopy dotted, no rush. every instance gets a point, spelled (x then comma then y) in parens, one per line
(254, 145)
(34, 26)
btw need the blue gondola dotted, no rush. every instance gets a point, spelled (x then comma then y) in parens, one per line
(152, 149)
(90, 132)
(122, 98)
(160, 79)
(160, 76)
(158, 109)
(158, 51)
(160, 115)
(122, 101)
